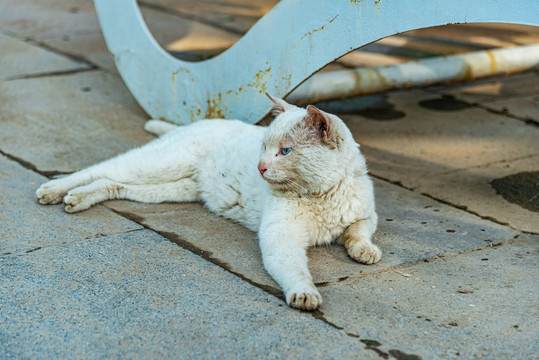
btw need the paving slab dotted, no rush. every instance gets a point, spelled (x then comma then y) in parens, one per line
(25, 225)
(48, 18)
(484, 90)
(484, 35)
(21, 59)
(451, 150)
(526, 107)
(137, 295)
(478, 305)
(175, 34)
(434, 135)
(473, 190)
(234, 15)
(513, 95)
(412, 228)
(65, 123)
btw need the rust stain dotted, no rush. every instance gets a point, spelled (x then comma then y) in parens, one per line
(175, 74)
(493, 64)
(380, 76)
(185, 70)
(215, 108)
(259, 81)
(467, 73)
(319, 29)
(377, 7)
(216, 104)
(195, 114)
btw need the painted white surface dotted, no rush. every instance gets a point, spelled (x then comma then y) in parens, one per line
(290, 43)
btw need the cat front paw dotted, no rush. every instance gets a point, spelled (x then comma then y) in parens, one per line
(50, 193)
(365, 253)
(76, 201)
(304, 298)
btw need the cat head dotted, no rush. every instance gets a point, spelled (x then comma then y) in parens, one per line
(305, 150)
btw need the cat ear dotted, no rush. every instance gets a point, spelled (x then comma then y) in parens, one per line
(321, 123)
(279, 105)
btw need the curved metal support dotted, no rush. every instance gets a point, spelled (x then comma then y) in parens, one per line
(290, 43)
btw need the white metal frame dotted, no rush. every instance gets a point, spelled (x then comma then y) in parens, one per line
(290, 43)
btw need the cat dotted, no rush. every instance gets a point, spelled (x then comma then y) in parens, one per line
(299, 182)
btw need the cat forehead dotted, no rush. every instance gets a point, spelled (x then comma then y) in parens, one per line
(283, 125)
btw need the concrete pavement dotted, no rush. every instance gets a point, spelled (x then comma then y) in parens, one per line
(458, 276)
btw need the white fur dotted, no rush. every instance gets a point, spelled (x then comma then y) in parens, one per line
(309, 197)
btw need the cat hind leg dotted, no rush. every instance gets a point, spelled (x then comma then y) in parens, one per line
(357, 240)
(159, 127)
(52, 192)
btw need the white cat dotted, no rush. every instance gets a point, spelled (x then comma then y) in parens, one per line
(311, 186)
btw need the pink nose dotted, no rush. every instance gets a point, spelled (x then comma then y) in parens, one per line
(262, 169)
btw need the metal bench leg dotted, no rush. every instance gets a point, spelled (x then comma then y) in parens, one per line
(290, 43)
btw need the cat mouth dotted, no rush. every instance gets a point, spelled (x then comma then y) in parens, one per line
(278, 182)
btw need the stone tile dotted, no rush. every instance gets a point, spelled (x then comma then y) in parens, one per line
(65, 123)
(425, 140)
(482, 304)
(525, 107)
(47, 19)
(137, 295)
(485, 90)
(20, 59)
(472, 189)
(90, 47)
(25, 225)
(485, 35)
(181, 35)
(366, 58)
(235, 15)
(411, 228)
(174, 34)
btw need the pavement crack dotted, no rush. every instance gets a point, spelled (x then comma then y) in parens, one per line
(206, 255)
(484, 217)
(456, 206)
(504, 161)
(370, 344)
(41, 44)
(28, 165)
(52, 73)
(505, 112)
(34, 249)
(394, 182)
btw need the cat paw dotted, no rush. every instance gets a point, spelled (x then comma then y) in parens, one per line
(365, 253)
(50, 193)
(304, 298)
(76, 201)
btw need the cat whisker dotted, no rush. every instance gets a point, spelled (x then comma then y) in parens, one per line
(294, 185)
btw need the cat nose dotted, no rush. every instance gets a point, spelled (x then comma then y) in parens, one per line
(262, 169)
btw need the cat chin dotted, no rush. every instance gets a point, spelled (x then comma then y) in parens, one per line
(278, 182)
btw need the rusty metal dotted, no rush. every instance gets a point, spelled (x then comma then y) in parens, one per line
(290, 43)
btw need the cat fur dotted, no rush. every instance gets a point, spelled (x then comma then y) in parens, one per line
(316, 194)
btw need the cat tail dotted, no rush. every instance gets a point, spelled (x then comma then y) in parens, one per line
(158, 127)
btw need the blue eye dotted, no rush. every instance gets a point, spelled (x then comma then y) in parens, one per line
(286, 151)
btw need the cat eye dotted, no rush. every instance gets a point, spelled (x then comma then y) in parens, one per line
(286, 151)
